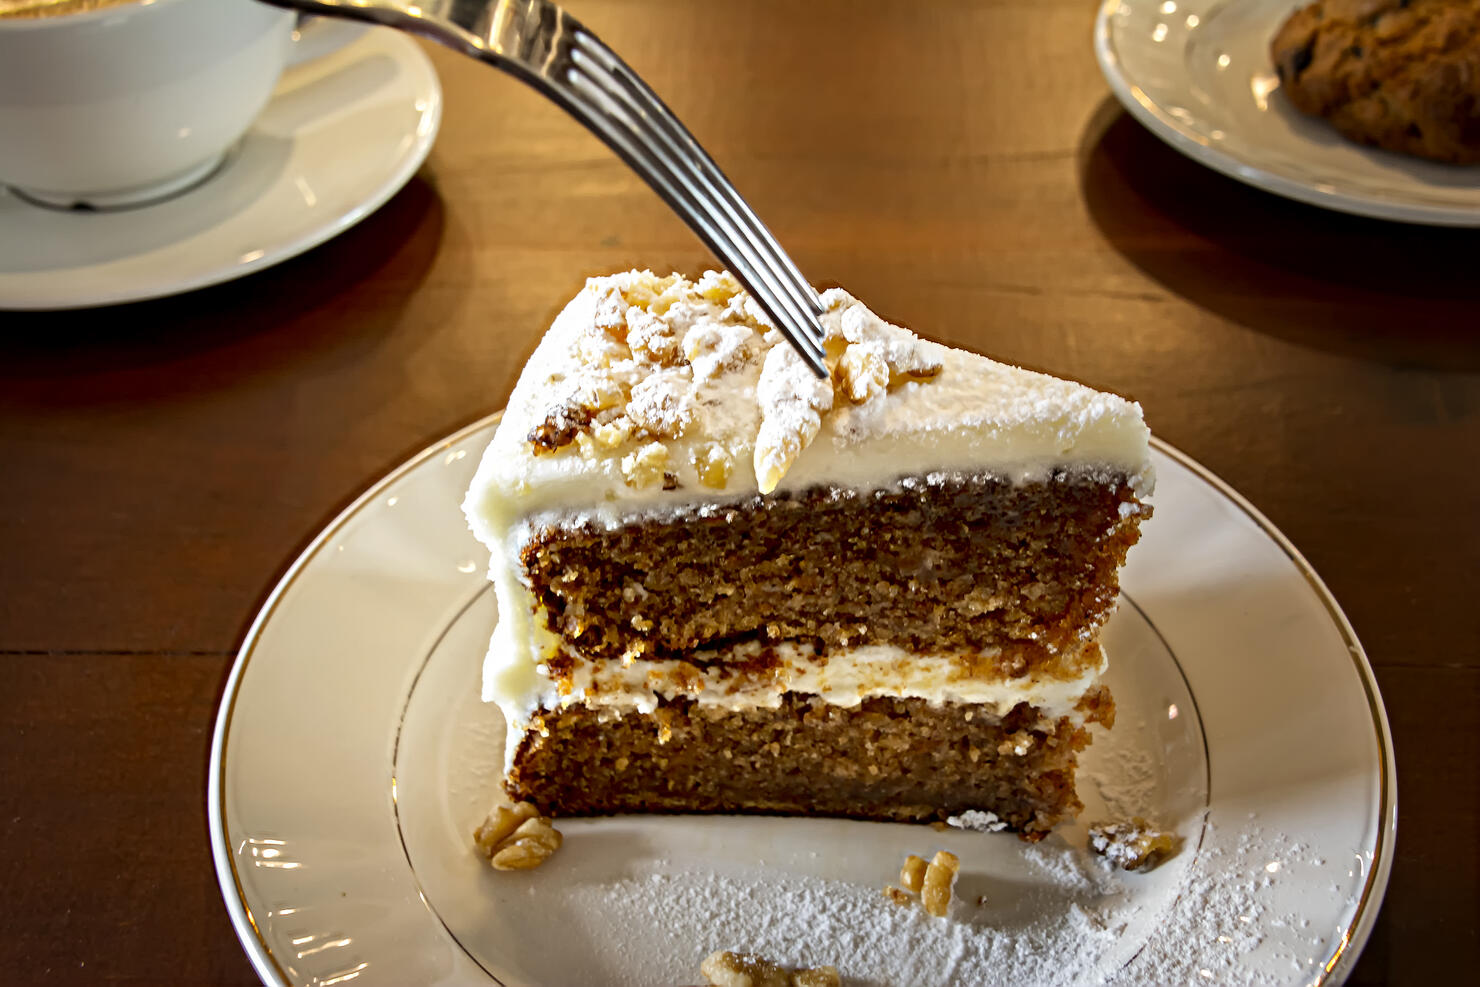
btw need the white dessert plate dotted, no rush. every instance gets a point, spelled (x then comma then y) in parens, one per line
(352, 760)
(347, 126)
(1198, 74)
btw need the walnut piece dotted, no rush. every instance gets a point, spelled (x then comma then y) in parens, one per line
(561, 426)
(1135, 845)
(516, 837)
(912, 874)
(714, 464)
(611, 434)
(940, 875)
(898, 896)
(866, 356)
(647, 466)
(730, 969)
(930, 883)
(713, 348)
(792, 403)
(652, 339)
(661, 404)
(862, 372)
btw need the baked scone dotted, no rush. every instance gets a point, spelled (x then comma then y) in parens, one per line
(1398, 74)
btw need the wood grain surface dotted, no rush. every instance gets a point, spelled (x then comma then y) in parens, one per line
(959, 166)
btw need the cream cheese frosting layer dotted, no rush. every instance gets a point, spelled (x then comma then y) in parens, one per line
(751, 674)
(844, 679)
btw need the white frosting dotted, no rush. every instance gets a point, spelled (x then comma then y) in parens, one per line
(651, 383)
(844, 679)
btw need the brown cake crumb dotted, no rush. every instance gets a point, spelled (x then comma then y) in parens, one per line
(1135, 845)
(516, 837)
(728, 969)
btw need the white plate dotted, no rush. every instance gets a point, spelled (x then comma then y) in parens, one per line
(1198, 74)
(343, 132)
(352, 760)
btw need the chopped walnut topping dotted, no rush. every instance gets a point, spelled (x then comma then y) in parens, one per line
(603, 346)
(907, 362)
(862, 372)
(718, 287)
(714, 464)
(661, 405)
(1135, 845)
(652, 339)
(516, 837)
(792, 405)
(559, 428)
(609, 311)
(609, 435)
(713, 348)
(867, 356)
(579, 399)
(645, 467)
(728, 969)
(645, 367)
(647, 290)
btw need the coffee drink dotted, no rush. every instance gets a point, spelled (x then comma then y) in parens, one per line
(117, 103)
(52, 8)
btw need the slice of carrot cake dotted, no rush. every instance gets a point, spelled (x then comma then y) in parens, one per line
(727, 586)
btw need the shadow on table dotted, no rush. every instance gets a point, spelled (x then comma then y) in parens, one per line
(1310, 276)
(347, 293)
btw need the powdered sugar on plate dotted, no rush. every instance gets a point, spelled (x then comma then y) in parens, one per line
(808, 921)
(978, 820)
(1076, 922)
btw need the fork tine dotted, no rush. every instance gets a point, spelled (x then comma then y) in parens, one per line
(640, 116)
(613, 123)
(682, 144)
(621, 125)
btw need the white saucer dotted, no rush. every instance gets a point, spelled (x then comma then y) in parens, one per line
(352, 760)
(343, 132)
(1197, 73)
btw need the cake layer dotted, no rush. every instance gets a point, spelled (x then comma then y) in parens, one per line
(964, 562)
(903, 760)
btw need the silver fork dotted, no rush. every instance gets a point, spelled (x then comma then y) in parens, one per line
(539, 43)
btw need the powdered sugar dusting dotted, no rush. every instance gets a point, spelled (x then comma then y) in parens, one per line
(804, 921)
(1222, 917)
(1077, 922)
(978, 820)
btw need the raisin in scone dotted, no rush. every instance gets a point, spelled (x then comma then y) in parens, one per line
(1398, 74)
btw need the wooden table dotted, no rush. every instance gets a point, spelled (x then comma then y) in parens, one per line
(960, 166)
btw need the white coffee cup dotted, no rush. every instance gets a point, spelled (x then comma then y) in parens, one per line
(133, 101)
